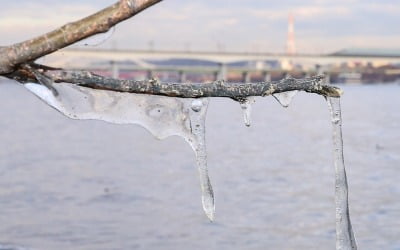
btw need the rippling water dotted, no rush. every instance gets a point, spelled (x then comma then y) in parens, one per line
(68, 184)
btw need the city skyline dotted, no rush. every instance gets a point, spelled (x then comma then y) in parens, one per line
(321, 26)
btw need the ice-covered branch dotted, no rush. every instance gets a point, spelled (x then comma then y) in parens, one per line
(186, 90)
(100, 22)
(195, 90)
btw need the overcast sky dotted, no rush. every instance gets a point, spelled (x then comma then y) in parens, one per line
(321, 26)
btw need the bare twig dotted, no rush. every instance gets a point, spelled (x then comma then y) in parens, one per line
(100, 22)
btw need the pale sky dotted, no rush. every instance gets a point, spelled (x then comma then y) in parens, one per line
(321, 26)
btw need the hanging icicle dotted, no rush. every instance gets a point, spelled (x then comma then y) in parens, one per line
(185, 117)
(246, 106)
(197, 124)
(162, 116)
(345, 239)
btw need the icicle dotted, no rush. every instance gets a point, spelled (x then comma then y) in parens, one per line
(97, 40)
(246, 108)
(345, 239)
(197, 123)
(285, 98)
(162, 116)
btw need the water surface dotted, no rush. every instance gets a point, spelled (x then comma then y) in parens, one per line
(68, 184)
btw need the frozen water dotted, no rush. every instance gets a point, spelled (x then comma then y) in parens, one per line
(197, 105)
(162, 116)
(46, 196)
(97, 39)
(197, 123)
(246, 108)
(166, 116)
(285, 98)
(345, 239)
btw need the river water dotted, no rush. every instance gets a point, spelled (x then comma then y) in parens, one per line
(67, 184)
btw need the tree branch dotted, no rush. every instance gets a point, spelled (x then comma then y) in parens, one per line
(16, 63)
(238, 91)
(100, 22)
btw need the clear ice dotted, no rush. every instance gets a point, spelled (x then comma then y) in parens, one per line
(345, 239)
(97, 39)
(246, 108)
(285, 98)
(185, 117)
(162, 116)
(197, 124)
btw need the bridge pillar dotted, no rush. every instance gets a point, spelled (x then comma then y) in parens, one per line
(286, 75)
(267, 76)
(222, 73)
(246, 76)
(318, 69)
(182, 76)
(321, 71)
(216, 74)
(114, 69)
(327, 79)
(149, 74)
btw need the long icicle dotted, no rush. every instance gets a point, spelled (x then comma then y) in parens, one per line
(345, 239)
(197, 124)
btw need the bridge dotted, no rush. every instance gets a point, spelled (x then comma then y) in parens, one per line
(217, 64)
(82, 58)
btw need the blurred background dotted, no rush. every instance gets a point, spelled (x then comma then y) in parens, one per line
(68, 184)
(351, 41)
(322, 26)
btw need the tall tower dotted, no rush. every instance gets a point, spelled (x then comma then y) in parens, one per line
(290, 43)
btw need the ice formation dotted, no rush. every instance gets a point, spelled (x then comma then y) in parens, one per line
(97, 39)
(185, 117)
(285, 98)
(162, 116)
(345, 239)
(197, 141)
(246, 109)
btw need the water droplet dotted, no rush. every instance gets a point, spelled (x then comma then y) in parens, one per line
(197, 104)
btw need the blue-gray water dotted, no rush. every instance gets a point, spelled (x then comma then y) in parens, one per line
(68, 184)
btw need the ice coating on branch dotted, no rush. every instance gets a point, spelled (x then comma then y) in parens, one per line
(285, 98)
(162, 116)
(246, 109)
(345, 239)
